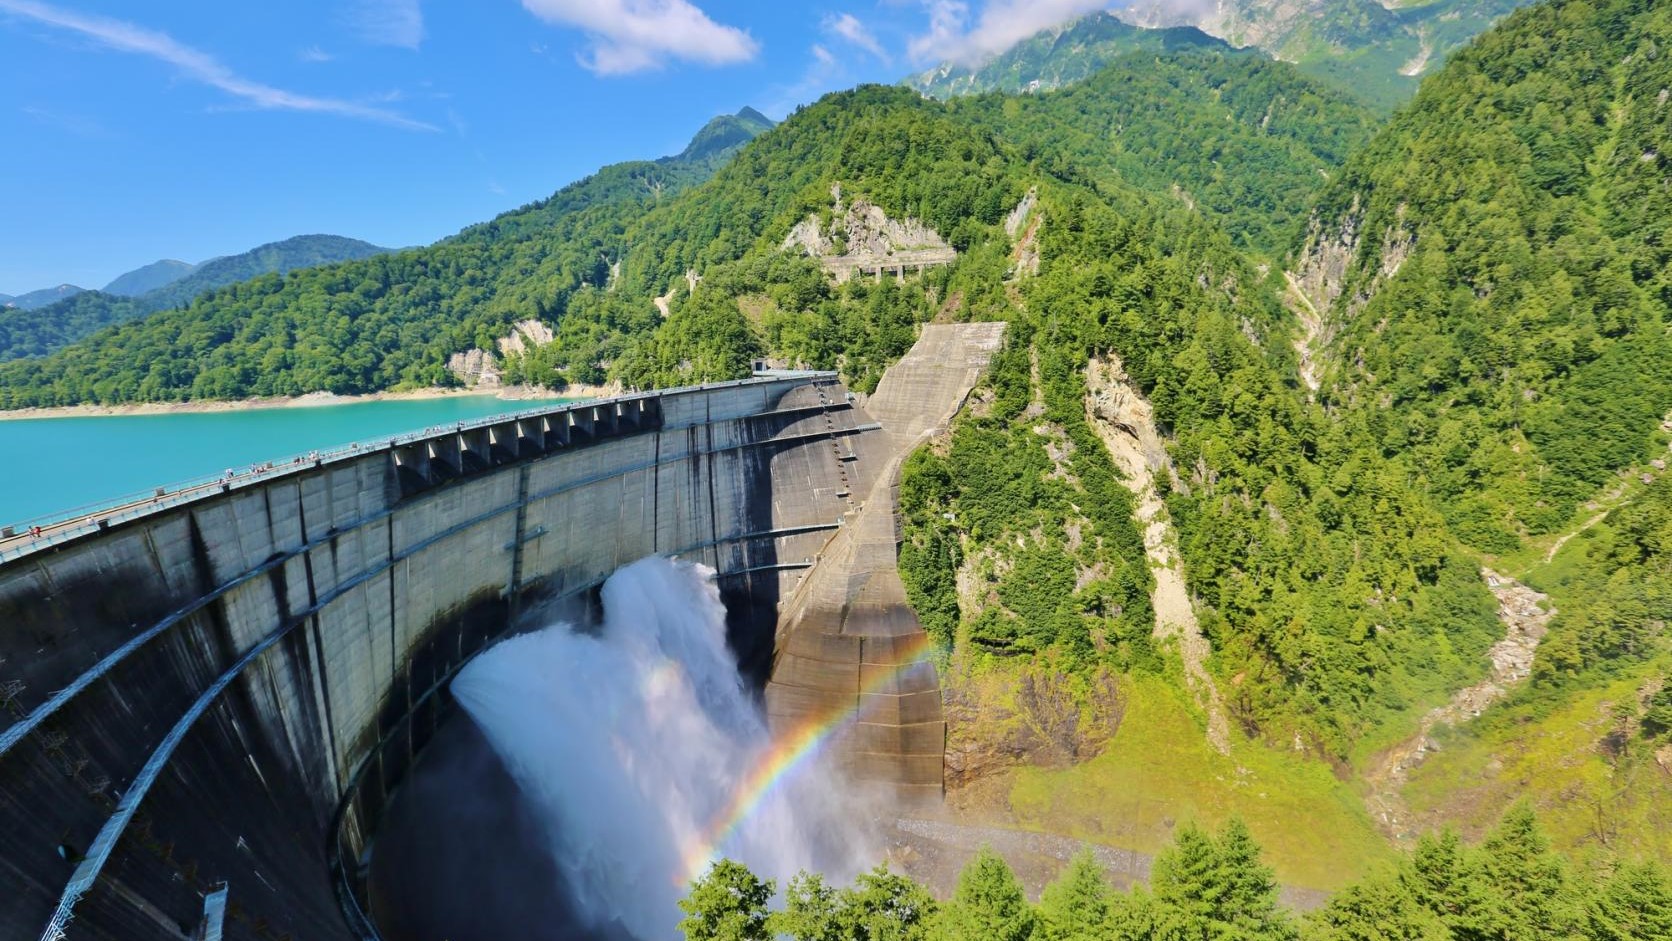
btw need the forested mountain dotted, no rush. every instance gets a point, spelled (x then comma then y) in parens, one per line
(302, 251)
(149, 278)
(1494, 269)
(46, 328)
(1377, 51)
(1246, 141)
(722, 136)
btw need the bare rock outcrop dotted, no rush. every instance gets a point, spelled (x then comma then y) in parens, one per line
(860, 238)
(1323, 274)
(476, 368)
(1123, 418)
(1022, 225)
(1002, 719)
(481, 369)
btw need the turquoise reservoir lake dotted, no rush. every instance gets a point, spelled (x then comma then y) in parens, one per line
(50, 465)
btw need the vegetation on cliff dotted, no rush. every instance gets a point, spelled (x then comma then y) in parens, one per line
(1502, 324)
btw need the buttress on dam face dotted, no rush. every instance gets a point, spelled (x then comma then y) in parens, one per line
(209, 702)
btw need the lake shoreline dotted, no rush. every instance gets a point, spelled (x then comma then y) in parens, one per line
(311, 400)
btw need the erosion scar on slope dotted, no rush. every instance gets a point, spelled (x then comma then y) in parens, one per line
(1526, 616)
(1125, 422)
(1312, 331)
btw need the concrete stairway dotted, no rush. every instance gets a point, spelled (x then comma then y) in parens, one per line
(850, 649)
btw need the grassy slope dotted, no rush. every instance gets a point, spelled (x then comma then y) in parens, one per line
(1584, 799)
(1159, 772)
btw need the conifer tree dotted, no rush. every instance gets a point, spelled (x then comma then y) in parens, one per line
(1186, 889)
(1211, 888)
(1381, 908)
(1076, 906)
(1531, 894)
(989, 903)
(1635, 901)
(1250, 897)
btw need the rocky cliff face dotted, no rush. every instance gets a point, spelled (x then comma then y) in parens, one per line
(1328, 266)
(480, 369)
(1029, 717)
(860, 229)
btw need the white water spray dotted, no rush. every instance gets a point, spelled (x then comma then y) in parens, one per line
(630, 742)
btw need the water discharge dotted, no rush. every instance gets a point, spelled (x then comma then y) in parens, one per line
(632, 742)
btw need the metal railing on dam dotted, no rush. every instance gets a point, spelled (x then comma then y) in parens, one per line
(220, 689)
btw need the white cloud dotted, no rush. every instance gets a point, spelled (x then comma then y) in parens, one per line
(388, 22)
(636, 35)
(1002, 24)
(314, 54)
(198, 66)
(848, 26)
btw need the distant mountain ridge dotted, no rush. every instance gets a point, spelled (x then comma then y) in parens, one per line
(32, 328)
(301, 251)
(1061, 56)
(1377, 52)
(722, 135)
(33, 300)
(149, 278)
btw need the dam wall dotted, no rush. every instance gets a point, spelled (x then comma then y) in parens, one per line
(206, 703)
(850, 651)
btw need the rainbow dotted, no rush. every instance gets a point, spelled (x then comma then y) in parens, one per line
(788, 754)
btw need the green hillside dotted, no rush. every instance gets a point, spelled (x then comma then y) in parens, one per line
(1477, 369)
(385, 321)
(46, 328)
(1245, 141)
(302, 251)
(1517, 357)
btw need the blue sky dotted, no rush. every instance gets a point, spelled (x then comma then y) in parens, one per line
(192, 129)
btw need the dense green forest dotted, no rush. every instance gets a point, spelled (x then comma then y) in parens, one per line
(43, 330)
(1325, 581)
(1246, 141)
(1213, 885)
(1519, 355)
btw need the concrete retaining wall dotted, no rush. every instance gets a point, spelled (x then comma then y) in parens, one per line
(227, 690)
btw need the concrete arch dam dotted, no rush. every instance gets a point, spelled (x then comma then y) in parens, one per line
(205, 707)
